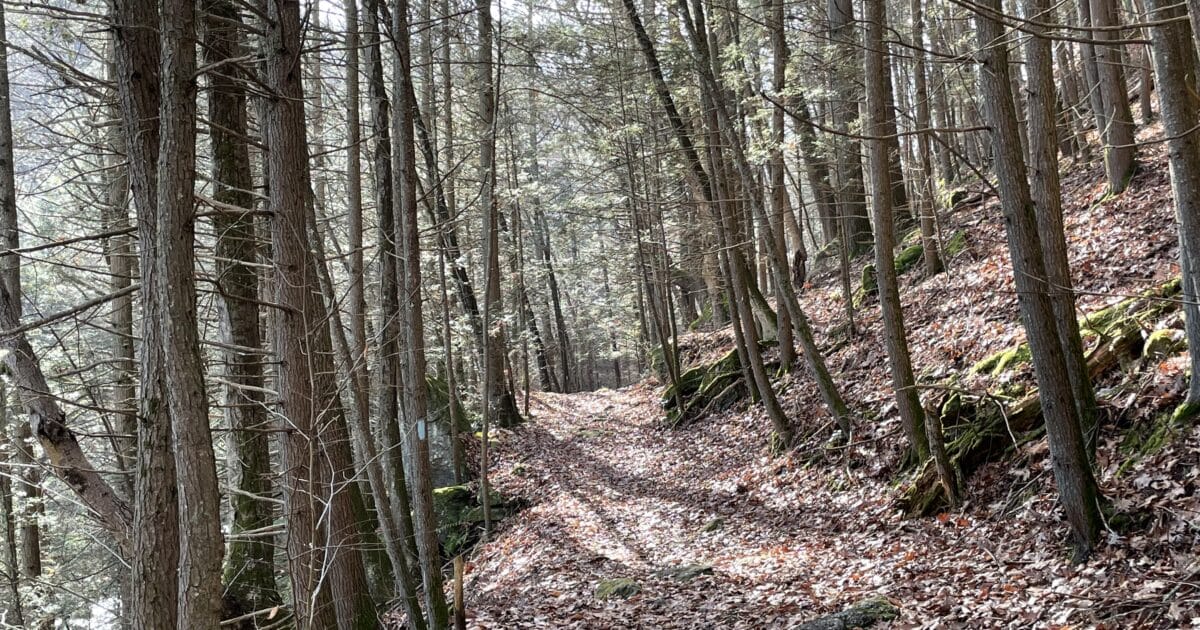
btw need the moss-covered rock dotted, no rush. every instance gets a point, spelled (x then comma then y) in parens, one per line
(450, 506)
(951, 408)
(459, 515)
(955, 245)
(869, 281)
(617, 588)
(1143, 310)
(706, 388)
(1006, 359)
(981, 431)
(713, 525)
(864, 614)
(1185, 411)
(686, 572)
(1147, 438)
(1164, 343)
(910, 257)
(868, 286)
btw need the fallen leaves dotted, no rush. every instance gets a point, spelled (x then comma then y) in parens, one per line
(784, 540)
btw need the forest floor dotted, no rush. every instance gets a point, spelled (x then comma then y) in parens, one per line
(776, 541)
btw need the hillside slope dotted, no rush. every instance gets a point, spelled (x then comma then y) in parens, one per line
(777, 541)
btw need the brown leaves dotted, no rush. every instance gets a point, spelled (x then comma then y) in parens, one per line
(788, 539)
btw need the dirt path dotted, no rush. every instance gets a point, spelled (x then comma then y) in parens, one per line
(615, 496)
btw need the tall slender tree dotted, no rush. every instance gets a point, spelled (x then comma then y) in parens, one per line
(1078, 492)
(416, 392)
(250, 565)
(1175, 64)
(1046, 194)
(908, 401)
(172, 290)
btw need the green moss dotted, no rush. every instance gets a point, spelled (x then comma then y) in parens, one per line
(459, 513)
(1148, 306)
(867, 613)
(909, 258)
(955, 245)
(868, 286)
(493, 437)
(912, 236)
(619, 588)
(869, 281)
(1150, 438)
(1184, 412)
(708, 387)
(1164, 343)
(1012, 390)
(713, 525)
(951, 407)
(1006, 359)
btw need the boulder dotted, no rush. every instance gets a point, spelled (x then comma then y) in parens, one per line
(686, 572)
(459, 515)
(861, 615)
(1164, 343)
(618, 588)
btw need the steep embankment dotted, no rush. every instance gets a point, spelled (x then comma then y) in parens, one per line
(775, 542)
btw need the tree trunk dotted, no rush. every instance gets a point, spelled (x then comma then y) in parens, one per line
(721, 120)
(816, 168)
(402, 548)
(780, 201)
(908, 399)
(299, 326)
(902, 211)
(1175, 63)
(12, 562)
(1047, 197)
(1078, 492)
(851, 193)
(10, 280)
(173, 285)
(927, 202)
(416, 394)
(250, 565)
(1116, 119)
(156, 518)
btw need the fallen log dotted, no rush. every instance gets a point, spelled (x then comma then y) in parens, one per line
(982, 427)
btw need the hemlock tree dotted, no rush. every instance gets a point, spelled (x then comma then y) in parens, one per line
(1078, 492)
(1175, 64)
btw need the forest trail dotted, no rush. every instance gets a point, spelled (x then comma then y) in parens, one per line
(775, 542)
(616, 496)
